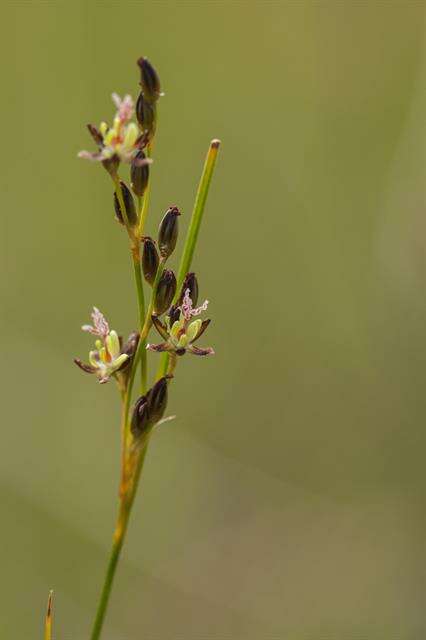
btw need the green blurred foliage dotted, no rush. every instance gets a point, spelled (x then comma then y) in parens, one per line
(287, 498)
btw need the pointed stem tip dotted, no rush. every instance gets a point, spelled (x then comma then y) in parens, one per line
(48, 620)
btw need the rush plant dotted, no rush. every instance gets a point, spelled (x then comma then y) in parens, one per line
(171, 307)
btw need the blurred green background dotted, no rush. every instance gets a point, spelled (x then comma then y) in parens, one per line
(287, 500)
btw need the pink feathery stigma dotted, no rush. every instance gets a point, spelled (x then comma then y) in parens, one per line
(186, 307)
(124, 107)
(100, 325)
(198, 310)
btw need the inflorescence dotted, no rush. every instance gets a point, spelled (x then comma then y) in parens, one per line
(172, 307)
(126, 141)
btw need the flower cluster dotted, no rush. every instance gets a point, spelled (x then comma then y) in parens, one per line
(108, 358)
(180, 336)
(121, 141)
(129, 140)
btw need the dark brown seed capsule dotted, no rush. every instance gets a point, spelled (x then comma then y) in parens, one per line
(166, 290)
(128, 348)
(139, 174)
(150, 260)
(190, 282)
(131, 345)
(168, 232)
(146, 115)
(157, 400)
(150, 82)
(129, 205)
(140, 418)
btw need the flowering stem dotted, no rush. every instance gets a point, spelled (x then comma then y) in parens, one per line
(141, 303)
(118, 541)
(141, 349)
(127, 495)
(136, 259)
(127, 499)
(143, 210)
(139, 284)
(193, 230)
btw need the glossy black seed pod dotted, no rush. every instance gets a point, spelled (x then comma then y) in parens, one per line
(150, 82)
(140, 418)
(150, 260)
(129, 348)
(166, 290)
(146, 115)
(168, 232)
(190, 282)
(139, 174)
(150, 408)
(129, 205)
(157, 400)
(131, 344)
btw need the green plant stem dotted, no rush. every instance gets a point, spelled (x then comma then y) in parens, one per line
(197, 213)
(139, 287)
(143, 210)
(123, 518)
(141, 304)
(193, 230)
(117, 545)
(142, 340)
(126, 500)
(136, 260)
(168, 364)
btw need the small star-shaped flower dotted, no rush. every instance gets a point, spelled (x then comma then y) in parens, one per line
(121, 141)
(181, 335)
(108, 357)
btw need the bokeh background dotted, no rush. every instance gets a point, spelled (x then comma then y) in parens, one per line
(287, 500)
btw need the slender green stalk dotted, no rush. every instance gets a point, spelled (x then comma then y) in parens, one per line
(141, 303)
(123, 518)
(139, 287)
(193, 230)
(117, 545)
(145, 203)
(197, 213)
(142, 339)
(128, 493)
(143, 212)
(126, 501)
(136, 260)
